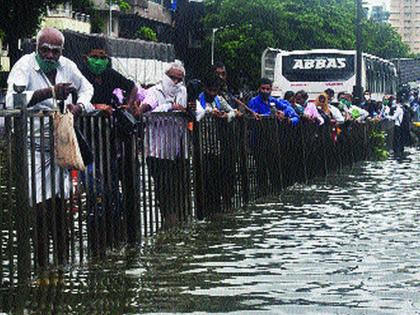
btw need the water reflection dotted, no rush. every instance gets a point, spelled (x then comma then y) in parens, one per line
(347, 244)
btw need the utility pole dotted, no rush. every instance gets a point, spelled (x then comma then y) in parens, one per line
(357, 89)
(213, 38)
(110, 18)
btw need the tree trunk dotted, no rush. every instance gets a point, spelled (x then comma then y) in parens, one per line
(14, 52)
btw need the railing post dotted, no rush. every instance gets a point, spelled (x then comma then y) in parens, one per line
(23, 229)
(198, 174)
(302, 129)
(243, 158)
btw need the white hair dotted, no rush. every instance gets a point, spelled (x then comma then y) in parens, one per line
(46, 30)
(176, 65)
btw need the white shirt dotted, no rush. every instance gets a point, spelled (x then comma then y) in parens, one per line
(161, 102)
(398, 115)
(336, 114)
(363, 113)
(27, 72)
(200, 111)
(166, 138)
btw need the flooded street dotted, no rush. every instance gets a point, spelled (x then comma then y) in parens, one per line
(348, 244)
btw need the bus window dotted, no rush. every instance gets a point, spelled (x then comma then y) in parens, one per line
(317, 67)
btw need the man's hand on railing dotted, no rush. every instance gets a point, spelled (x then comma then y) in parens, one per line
(192, 106)
(75, 109)
(105, 108)
(61, 91)
(215, 112)
(238, 113)
(280, 115)
(176, 106)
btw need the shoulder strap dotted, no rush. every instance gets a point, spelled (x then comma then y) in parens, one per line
(217, 101)
(202, 100)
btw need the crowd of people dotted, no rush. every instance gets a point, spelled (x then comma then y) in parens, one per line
(48, 76)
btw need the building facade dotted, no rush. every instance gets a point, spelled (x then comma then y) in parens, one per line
(64, 18)
(405, 18)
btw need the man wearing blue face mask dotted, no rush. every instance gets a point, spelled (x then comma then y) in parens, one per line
(264, 104)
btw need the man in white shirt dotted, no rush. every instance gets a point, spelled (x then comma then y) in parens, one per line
(396, 114)
(166, 142)
(48, 76)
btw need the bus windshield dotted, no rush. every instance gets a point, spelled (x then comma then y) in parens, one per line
(318, 67)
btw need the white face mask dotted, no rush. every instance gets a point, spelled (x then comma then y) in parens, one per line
(367, 98)
(169, 87)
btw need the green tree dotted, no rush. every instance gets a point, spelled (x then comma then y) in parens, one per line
(146, 33)
(382, 40)
(20, 19)
(289, 24)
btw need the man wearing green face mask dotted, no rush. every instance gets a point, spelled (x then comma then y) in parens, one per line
(97, 69)
(47, 76)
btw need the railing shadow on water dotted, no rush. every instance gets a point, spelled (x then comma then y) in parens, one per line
(164, 172)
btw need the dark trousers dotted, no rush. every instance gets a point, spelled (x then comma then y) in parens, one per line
(398, 145)
(51, 224)
(218, 183)
(170, 180)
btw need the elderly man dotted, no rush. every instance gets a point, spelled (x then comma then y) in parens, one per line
(48, 76)
(166, 142)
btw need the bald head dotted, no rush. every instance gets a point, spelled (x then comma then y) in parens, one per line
(49, 43)
(50, 36)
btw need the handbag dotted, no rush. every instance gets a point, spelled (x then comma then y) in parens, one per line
(66, 146)
(126, 122)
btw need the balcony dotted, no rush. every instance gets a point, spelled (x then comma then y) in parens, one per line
(75, 21)
(151, 10)
(62, 17)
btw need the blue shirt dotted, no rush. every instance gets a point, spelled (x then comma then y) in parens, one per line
(257, 105)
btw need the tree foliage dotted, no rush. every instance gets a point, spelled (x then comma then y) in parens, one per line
(20, 19)
(290, 24)
(146, 33)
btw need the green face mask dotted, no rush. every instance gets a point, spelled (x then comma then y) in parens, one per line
(97, 65)
(46, 65)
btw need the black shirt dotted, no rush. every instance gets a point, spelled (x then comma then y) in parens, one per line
(105, 84)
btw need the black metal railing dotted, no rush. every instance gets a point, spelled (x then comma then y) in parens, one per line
(164, 172)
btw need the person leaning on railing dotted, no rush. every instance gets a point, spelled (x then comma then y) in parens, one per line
(97, 68)
(47, 75)
(264, 146)
(218, 149)
(264, 104)
(166, 141)
(99, 72)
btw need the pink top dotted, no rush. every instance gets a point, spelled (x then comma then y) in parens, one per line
(312, 112)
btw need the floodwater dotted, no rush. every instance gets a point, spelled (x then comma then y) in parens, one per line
(348, 244)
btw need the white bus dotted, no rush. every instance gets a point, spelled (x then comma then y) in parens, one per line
(319, 69)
